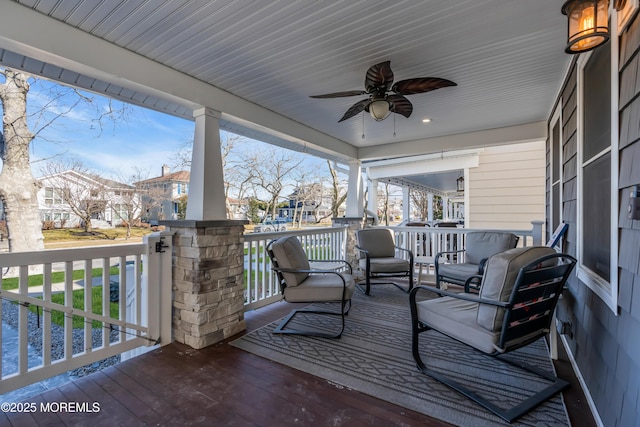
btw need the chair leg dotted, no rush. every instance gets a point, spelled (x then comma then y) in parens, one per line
(282, 327)
(509, 414)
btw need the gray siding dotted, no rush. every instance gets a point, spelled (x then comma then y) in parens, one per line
(606, 347)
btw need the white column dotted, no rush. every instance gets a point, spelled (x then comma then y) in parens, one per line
(354, 200)
(430, 207)
(206, 185)
(446, 211)
(406, 204)
(372, 202)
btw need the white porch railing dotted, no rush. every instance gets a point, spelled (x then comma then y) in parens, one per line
(143, 312)
(261, 287)
(428, 241)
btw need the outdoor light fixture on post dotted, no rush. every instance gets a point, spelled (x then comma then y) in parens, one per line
(588, 25)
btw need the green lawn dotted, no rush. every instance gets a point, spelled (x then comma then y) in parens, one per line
(57, 317)
(56, 277)
(72, 234)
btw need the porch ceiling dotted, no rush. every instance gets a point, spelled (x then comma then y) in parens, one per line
(506, 57)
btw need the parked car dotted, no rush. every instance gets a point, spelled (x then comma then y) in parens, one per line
(270, 226)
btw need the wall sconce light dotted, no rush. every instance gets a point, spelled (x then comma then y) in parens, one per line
(588, 25)
(460, 184)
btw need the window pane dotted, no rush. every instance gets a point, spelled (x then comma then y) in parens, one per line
(555, 152)
(596, 206)
(555, 193)
(597, 103)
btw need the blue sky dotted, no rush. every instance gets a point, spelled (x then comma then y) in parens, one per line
(116, 146)
(143, 139)
(131, 141)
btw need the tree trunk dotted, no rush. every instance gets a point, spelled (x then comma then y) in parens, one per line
(18, 187)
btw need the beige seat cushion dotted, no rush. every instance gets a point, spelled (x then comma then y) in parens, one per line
(499, 277)
(457, 318)
(386, 265)
(460, 271)
(289, 254)
(320, 287)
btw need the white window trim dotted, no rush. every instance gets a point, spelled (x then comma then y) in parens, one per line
(607, 291)
(556, 118)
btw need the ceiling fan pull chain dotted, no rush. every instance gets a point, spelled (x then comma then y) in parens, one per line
(394, 125)
(363, 125)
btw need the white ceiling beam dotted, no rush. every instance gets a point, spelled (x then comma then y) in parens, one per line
(30, 33)
(529, 132)
(423, 167)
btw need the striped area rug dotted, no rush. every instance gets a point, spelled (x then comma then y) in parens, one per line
(374, 357)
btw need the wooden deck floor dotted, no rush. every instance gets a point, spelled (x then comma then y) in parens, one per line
(224, 386)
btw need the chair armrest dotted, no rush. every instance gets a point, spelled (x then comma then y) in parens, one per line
(460, 296)
(364, 251)
(442, 253)
(333, 260)
(406, 250)
(470, 280)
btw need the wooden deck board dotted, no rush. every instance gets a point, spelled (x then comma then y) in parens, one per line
(223, 385)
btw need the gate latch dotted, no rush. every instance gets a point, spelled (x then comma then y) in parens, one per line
(160, 246)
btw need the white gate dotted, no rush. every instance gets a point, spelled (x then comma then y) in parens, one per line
(48, 280)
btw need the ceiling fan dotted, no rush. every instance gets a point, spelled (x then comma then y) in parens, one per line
(378, 82)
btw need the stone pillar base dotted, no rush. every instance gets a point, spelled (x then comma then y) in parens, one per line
(208, 280)
(353, 257)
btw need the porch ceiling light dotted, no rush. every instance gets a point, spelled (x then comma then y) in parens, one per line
(588, 25)
(379, 109)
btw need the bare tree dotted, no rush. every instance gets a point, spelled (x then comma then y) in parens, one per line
(237, 176)
(18, 187)
(134, 203)
(384, 198)
(420, 200)
(338, 192)
(271, 167)
(81, 191)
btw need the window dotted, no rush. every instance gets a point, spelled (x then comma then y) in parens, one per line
(121, 211)
(555, 142)
(597, 178)
(52, 196)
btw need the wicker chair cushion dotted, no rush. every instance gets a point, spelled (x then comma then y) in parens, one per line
(499, 277)
(378, 242)
(483, 244)
(320, 287)
(289, 254)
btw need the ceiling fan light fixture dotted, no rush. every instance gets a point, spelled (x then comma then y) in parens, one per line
(588, 25)
(379, 109)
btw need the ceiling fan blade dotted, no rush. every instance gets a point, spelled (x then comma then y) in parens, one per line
(420, 85)
(379, 75)
(340, 94)
(400, 105)
(356, 108)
